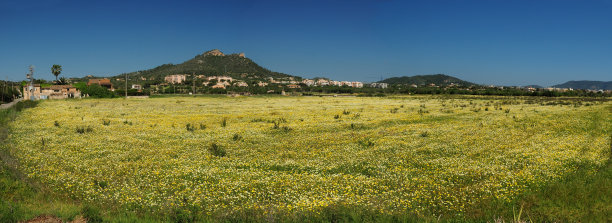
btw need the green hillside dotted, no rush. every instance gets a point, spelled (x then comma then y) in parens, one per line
(587, 85)
(211, 63)
(437, 79)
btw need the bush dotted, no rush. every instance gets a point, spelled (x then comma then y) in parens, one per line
(10, 212)
(82, 129)
(189, 127)
(366, 143)
(182, 216)
(424, 134)
(97, 91)
(92, 214)
(25, 104)
(216, 150)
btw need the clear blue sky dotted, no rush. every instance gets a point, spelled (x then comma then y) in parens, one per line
(499, 42)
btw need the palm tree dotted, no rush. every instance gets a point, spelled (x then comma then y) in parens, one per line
(56, 70)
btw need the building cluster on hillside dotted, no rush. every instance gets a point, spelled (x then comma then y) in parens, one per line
(226, 81)
(325, 82)
(176, 78)
(379, 85)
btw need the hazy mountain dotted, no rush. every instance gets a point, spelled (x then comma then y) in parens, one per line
(437, 79)
(590, 85)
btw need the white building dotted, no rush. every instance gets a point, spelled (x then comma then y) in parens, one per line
(379, 85)
(176, 78)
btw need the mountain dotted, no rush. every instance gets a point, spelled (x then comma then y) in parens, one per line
(437, 79)
(588, 85)
(210, 63)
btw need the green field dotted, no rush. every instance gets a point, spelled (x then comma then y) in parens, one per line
(312, 158)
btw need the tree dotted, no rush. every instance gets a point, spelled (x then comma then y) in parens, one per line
(56, 70)
(62, 81)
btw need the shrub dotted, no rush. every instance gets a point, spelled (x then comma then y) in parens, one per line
(216, 150)
(25, 104)
(10, 212)
(180, 215)
(56, 124)
(101, 184)
(82, 129)
(97, 91)
(345, 112)
(224, 122)
(236, 137)
(336, 116)
(424, 134)
(366, 143)
(202, 126)
(189, 127)
(92, 214)
(105, 122)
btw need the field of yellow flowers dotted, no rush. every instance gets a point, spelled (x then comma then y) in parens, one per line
(301, 154)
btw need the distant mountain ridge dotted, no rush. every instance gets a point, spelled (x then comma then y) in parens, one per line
(210, 63)
(437, 79)
(587, 85)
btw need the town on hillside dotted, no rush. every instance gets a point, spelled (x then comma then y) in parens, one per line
(214, 72)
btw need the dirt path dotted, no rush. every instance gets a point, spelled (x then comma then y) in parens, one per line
(10, 104)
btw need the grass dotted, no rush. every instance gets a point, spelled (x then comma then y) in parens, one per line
(581, 197)
(585, 195)
(20, 199)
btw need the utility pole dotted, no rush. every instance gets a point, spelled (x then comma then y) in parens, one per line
(6, 86)
(30, 76)
(3, 87)
(194, 80)
(126, 85)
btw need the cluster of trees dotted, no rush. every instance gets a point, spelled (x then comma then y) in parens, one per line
(368, 91)
(96, 91)
(8, 92)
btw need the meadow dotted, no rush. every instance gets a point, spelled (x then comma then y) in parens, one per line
(421, 156)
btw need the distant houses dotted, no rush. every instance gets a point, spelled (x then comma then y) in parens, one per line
(37, 92)
(176, 78)
(105, 82)
(223, 82)
(380, 85)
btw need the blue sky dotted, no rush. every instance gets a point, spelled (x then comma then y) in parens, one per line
(498, 42)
